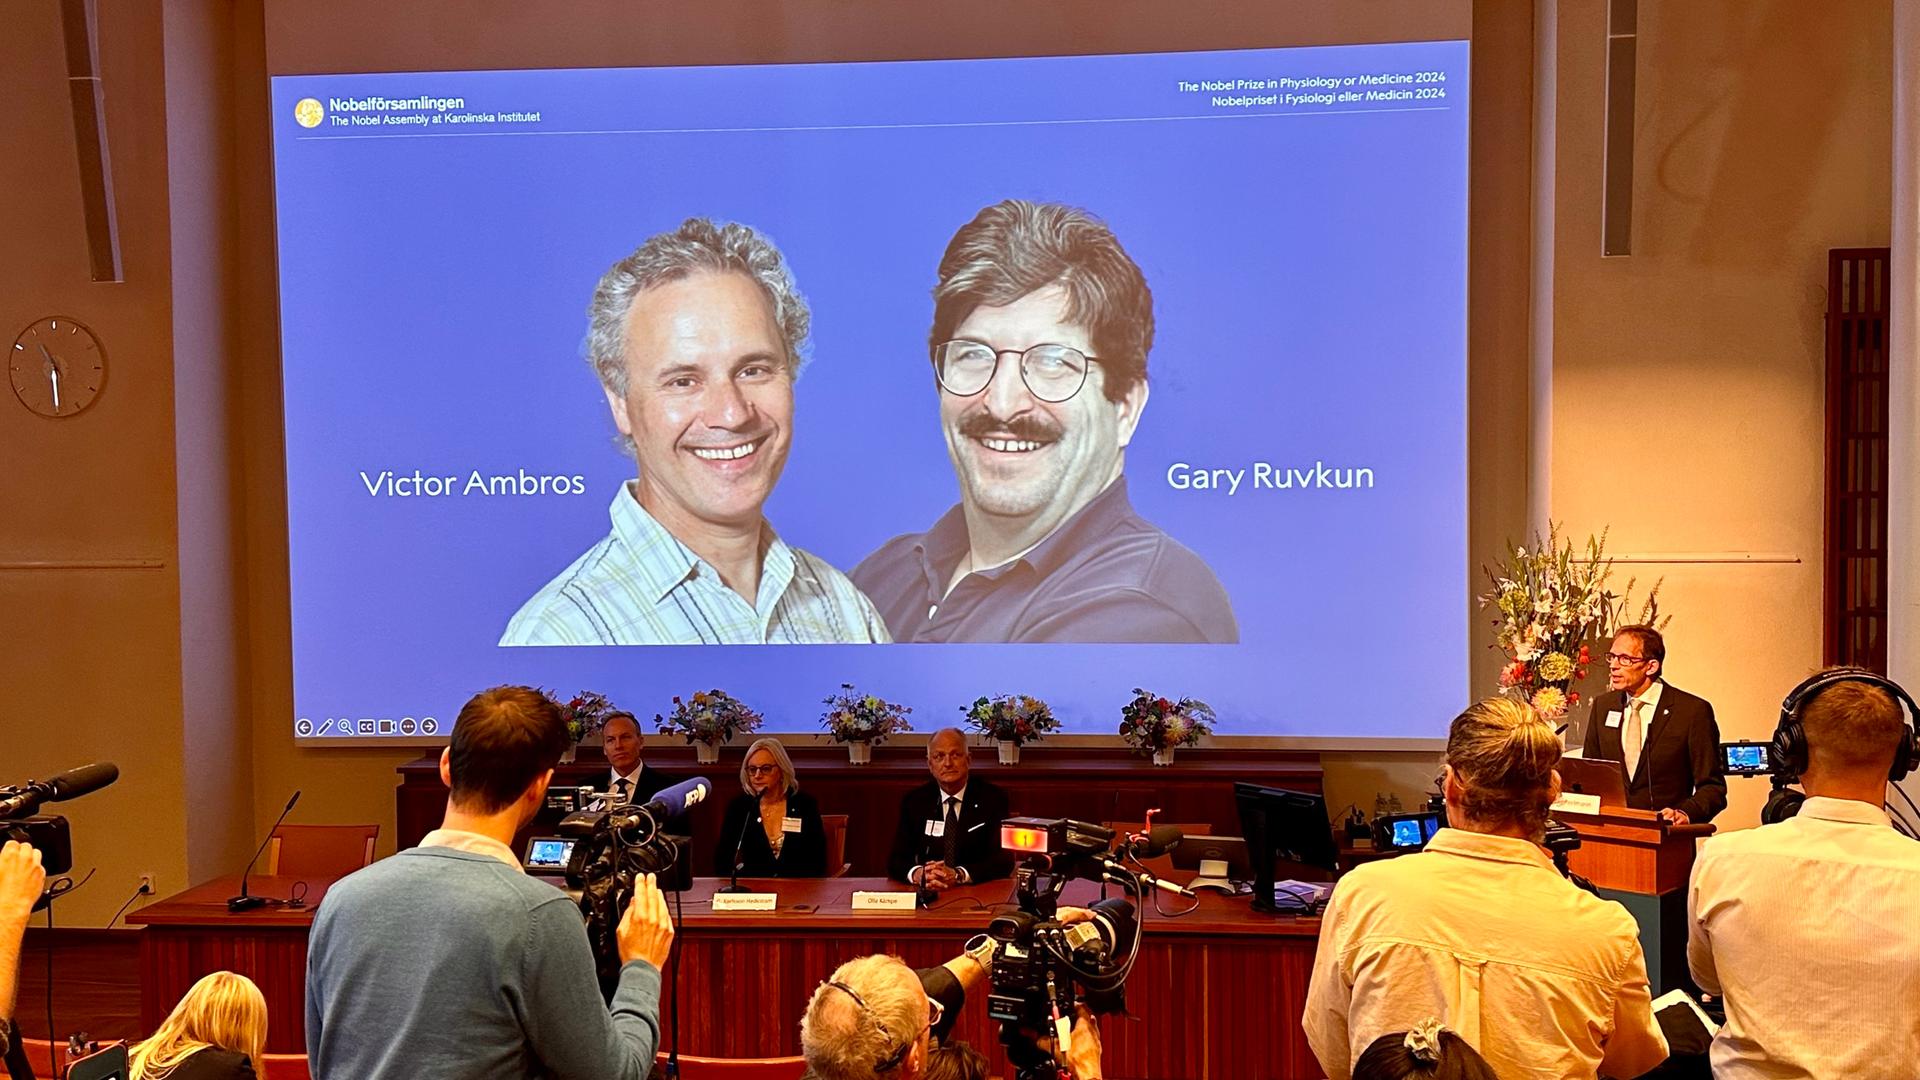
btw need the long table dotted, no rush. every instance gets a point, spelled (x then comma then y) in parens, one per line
(1089, 783)
(1217, 993)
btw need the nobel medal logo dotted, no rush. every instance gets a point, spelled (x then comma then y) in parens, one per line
(309, 112)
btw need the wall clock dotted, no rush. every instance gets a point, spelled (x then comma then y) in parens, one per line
(57, 367)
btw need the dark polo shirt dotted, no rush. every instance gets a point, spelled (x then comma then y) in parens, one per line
(1106, 574)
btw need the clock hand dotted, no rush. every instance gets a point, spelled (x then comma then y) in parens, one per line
(53, 372)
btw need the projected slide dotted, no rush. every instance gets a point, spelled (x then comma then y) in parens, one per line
(1052, 375)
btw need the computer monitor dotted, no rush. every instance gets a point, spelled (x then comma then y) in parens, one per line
(1231, 850)
(1283, 824)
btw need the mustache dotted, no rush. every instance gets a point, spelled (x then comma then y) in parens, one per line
(1029, 427)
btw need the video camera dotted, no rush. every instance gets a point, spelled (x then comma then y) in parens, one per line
(614, 845)
(1044, 967)
(49, 832)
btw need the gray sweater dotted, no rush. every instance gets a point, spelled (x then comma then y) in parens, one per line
(444, 963)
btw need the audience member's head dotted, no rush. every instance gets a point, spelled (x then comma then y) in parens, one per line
(1500, 769)
(868, 1022)
(955, 1061)
(505, 744)
(223, 1011)
(1428, 1052)
(1852, 731)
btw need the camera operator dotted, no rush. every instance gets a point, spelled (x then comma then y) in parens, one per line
(877, 1019)
(1810, 927)
(447, 960)
(21, 879)
(1481, 931)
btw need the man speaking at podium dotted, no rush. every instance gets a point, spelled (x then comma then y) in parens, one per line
(1665, 736)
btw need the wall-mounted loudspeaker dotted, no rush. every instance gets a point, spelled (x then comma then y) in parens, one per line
(87, 97)
(1616, 193)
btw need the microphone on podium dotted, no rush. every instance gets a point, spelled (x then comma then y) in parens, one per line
(245, 901)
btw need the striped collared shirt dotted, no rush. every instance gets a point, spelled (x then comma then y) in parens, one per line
(642, 586)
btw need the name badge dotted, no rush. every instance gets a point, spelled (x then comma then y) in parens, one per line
(864, 900)
(755, 901)
(1613, 718)
(790, 825)
(936, 827)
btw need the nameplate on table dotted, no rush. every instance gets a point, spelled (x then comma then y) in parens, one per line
(888, 900)
(1572, 802)
(747, 901)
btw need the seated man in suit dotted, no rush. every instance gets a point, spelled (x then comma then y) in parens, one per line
(1665, 736)
(949, 828)
(629, 777)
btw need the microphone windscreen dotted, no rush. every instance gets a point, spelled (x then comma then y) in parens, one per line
(1160, 840)
(683, 796)
(82, 781)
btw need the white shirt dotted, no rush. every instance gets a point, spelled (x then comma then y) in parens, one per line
(1649, 705)
(460, 840)
(1811, 930)
(1545, 980)
(632, 779)
(913, 875)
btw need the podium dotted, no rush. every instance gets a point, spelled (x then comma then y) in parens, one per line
(1630, 851)
(1631, 857)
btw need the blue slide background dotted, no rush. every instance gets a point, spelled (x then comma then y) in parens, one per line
(1309, 270)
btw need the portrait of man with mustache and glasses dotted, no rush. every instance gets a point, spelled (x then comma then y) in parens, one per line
(1041, 329)
(697, 339)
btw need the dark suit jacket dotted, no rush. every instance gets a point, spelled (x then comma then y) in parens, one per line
(649, 783)
(980, 853)
(802, 854)
(1680, 762)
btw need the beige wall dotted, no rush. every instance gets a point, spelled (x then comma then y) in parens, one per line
(1687, 378)
(90, 658)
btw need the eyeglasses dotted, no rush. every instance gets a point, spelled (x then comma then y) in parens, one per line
(1052, 373)
(1623, 658)
(935, 1011)
(762, 770)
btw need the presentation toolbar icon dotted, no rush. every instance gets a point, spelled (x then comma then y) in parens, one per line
(366, 725)
(303, 726)
(429, 726)
(407, 725)
(386, 726)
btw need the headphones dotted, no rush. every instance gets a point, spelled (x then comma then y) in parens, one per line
(1788, 754)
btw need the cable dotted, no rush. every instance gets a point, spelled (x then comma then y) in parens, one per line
(138, 892)
(1904, 796)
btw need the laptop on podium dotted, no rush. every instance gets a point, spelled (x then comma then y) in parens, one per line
(1595, 776)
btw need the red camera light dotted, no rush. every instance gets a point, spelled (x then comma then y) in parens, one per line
(1030, 836)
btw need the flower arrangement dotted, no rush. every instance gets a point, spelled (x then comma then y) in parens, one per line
(853, 717)
(711, 717)
(1554, 607)
(1011, 718)
(1152, 724)
(586, 712)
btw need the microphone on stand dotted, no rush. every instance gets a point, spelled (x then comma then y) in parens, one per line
(739, 845)
(245, 901)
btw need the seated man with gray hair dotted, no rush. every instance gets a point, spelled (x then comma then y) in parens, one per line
(878, 1019)
(697, 339)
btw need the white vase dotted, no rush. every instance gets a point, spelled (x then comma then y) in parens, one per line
(859, 753)
(1009, 752)
(1163, 757)
(706, 753)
